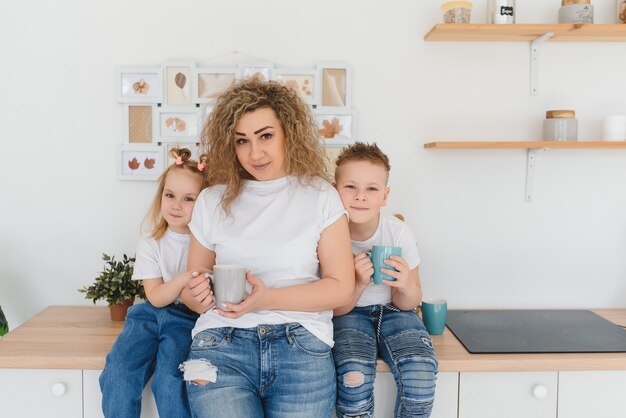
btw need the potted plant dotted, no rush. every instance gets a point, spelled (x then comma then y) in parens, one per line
(115, 285)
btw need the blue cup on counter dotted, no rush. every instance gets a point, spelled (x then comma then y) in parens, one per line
(434, 315)
(378, 255)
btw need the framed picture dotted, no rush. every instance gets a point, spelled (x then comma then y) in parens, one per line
(191, 146)
(139, 162)
(178, 82)
(176, 123)
(138, 123)
(262, 71)
(305, 82)
(139, 85)
(209, 83)
(336, 127)
(336, 85)
(331, 154)
(205, 111)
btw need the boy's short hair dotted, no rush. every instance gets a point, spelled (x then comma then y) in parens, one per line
(361, 151)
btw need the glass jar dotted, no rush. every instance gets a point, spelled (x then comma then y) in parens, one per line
(621, 11)
(560, 125)
(457, 11)
(576, 11)
(501, 11)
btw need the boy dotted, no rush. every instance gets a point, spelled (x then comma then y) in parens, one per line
(380, 319)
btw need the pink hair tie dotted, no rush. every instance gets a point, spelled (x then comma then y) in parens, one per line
(179, 160)
(202, 165)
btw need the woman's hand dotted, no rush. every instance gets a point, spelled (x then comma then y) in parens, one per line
(402, 283)
(199, 287)
(364, 268)
(258, 299)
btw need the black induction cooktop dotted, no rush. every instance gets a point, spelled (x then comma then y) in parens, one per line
(535, 331)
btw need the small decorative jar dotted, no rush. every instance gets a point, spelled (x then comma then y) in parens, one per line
(621, 11)
(457, 11)
(560, 125)
(501, 11)
(576, 11)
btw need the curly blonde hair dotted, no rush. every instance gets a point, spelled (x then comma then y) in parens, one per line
(304, 155)
(153, 219)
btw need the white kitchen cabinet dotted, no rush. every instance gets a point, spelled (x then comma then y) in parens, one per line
(28, 393)
(592, 394)
(93, 397)
(510, 395)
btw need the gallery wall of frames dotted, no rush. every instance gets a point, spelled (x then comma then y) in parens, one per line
(166, 106)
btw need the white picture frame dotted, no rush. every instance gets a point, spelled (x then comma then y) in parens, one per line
(304, 81)
(205, 111)
(263, 70)
(191, 146)
(139, 85)
(210, 83)
(178, 83)
(176, 123)
(337, 127)
(335, 85)
(140, 162)
(138, 125)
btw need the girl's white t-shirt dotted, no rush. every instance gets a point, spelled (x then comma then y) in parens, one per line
(164, 258)
(393, 232)
(273, 231)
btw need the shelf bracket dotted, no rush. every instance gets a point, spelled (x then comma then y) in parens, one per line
(534, 60)
(531, 161)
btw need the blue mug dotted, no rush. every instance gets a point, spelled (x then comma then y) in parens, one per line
(434, 315)
(378, 255)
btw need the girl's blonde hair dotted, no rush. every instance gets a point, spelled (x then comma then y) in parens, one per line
(304, 155)
(157, 224)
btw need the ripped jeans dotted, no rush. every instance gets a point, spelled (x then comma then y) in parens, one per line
(401, 339)
(272, 371)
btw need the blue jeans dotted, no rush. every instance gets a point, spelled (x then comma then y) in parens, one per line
(401, 339)
(274, 371)
(154, 340)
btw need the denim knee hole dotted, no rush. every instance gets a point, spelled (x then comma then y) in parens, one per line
(199, 372)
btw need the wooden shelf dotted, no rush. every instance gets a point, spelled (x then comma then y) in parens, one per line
(527, 144)
(528, 32)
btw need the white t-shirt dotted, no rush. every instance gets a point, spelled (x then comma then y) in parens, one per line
(164, 258)
(273, 231)
(393, 232)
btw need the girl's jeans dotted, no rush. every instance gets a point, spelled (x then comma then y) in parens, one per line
(154, 340)
(274, 371)
(402, 341)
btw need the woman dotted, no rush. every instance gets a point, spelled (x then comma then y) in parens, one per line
(269, 208)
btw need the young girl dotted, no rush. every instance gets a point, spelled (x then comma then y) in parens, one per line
(268, 208)
(157, 334)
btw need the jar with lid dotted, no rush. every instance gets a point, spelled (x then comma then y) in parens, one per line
(560, 125)
(576, 11)
(501, 11)
(621, 11)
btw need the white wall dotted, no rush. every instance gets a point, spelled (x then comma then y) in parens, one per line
(481, 244)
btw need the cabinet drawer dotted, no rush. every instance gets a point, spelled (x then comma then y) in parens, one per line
(28, 393)
(510, 395)
(592, 394)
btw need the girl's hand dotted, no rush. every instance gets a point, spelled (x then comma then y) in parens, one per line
(363, 268)
(402, 282)
(258, 299)
(199, 287)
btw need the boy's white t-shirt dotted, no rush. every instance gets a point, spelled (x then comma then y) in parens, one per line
(273, 231)
(393, 232)
(164, 258)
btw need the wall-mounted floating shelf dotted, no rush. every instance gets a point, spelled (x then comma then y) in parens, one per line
(531, 146)
(536, 34)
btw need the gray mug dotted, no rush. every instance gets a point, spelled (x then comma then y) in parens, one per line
(229, 284)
